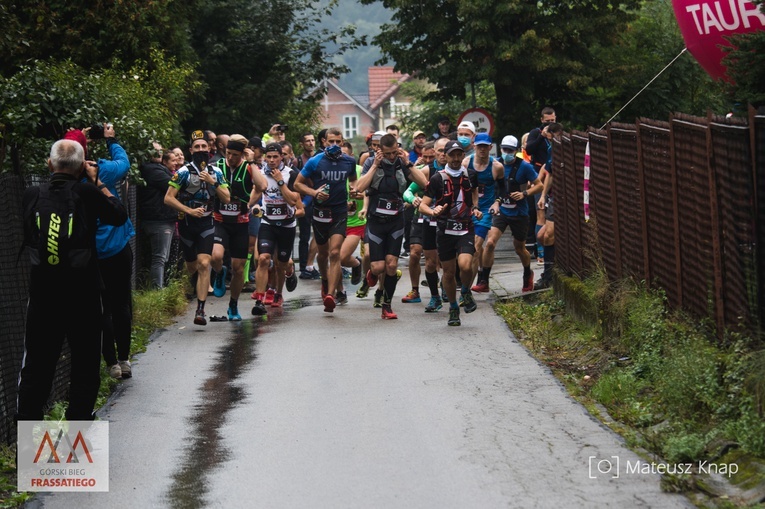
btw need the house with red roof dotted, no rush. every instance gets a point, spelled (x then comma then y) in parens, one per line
(345, 111)
(386, 100)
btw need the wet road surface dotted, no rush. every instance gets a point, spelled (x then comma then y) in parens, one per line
(317, 410)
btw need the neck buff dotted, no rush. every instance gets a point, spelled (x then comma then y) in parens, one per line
(452, 172)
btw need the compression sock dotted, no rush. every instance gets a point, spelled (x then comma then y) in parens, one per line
(526, 271)
(233, 303)
(432, 279)
(247, 268)
(390, 287)
(200, 305)
(485, 274)
(540, 246)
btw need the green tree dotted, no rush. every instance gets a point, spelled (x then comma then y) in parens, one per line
(91, 33)
(646, 45)
(746, 66)
(533, 53)
(258, 58)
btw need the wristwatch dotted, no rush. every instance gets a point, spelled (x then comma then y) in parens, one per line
(280, 183)
(525, 194)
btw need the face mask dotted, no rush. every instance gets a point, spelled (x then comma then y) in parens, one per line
(464, 141)
(200, 159)
(333, 151)
(387, 165)
(508, 158)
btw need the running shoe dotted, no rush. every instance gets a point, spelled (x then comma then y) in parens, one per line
(544, 282)
(115, 371)
(387, 313)
(269, 298)
(480, 287)
(363, 290)
(341, 297)
(329, 304)
(291, 282)
(528, 282)
(371, 279)
(233, 315)
(324, 288)
(461, 301)
(469, 302)
(127, 370)
(356, 273)
(199, 317)
(412, 297)
(219, 283)
(346, 273)
(259, 309)
(541, 262)
(444, 297)
(378, 298)
(454, 317)
(434, 305)
(278, 301)
(310, 274)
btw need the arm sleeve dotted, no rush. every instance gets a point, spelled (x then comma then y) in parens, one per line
(411, 191)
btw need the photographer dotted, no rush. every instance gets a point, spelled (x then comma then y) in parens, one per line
(276, 134)
(74, 270)
(115, 259)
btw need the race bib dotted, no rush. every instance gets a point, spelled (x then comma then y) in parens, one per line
(455, 227)
(481, 190)
(230, 209)
(322, 215)
(508, 203)
(277, 211)
(388, 206)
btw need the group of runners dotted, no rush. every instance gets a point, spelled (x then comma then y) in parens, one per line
(251, 198)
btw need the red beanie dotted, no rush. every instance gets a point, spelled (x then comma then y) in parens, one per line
(79, 137)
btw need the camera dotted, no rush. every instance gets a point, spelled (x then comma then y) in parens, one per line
(282, 128)
(97, 131)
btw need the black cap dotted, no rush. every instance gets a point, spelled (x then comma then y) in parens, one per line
(444, 120)
(256, 142)
(273, 147)
(451, 146)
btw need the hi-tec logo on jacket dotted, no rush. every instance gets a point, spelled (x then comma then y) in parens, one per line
(53, 231)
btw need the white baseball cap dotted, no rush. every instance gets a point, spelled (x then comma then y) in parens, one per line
(467, 125)
(509, 142)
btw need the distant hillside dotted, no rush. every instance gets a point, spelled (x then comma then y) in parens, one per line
(367, 19)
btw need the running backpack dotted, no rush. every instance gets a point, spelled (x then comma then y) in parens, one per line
(59, 233)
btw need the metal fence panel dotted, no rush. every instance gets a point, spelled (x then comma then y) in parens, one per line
(735, 189)
(623, 139)
(590, 251)
(757, 137)
(603, 203)
(659, 199)
(563, 240)
(696, 251)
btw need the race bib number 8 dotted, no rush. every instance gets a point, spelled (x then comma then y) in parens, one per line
(388, 207)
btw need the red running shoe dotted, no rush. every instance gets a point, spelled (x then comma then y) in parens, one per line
(329, 304)
(278, 300)
(528, 282)
(387, 313)
(371, 279)
(480, 287)
(269, 299)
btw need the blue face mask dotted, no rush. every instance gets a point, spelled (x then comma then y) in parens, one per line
(464, 141)
(333, 151)
(508, 158)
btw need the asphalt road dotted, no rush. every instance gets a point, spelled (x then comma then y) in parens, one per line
(318, 410)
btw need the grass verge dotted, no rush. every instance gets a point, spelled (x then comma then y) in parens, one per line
(152, 310)
(665, 382)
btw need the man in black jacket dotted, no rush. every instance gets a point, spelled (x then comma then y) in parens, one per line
(157, 219)
(75, 314)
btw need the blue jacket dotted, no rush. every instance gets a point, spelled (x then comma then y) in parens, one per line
(110, 240)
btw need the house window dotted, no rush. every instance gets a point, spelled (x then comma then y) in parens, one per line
(350, 126)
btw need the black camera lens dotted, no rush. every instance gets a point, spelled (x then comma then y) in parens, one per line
(96, 132)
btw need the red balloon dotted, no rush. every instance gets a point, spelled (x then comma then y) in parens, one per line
(703, 24)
